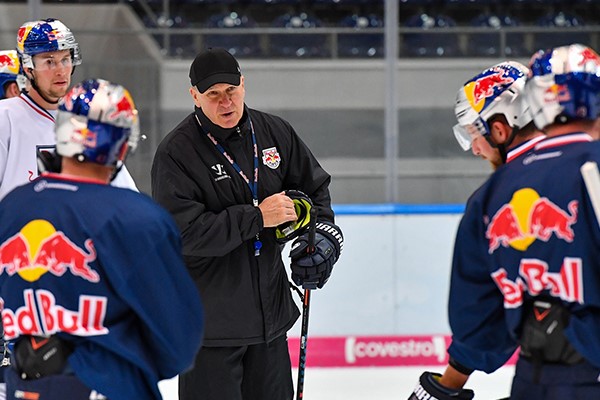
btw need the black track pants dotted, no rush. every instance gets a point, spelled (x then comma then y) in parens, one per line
(254, 372)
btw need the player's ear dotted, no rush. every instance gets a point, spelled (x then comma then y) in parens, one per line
(500, 131)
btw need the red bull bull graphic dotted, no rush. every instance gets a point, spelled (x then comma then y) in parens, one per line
(124, 108)
(38, 248)
(529, 217)
(9, 62)
(535, 278)
(40, 315)
(589, 55)
(271, 157)
(488, 85)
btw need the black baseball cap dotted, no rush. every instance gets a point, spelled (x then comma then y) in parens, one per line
(214, 66)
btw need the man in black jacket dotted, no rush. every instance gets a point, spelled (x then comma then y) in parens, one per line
(223, 173)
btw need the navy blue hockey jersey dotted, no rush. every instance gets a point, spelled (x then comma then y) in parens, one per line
(101, 267)
(529, 231)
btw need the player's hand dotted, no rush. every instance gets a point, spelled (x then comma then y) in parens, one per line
(430, 388)
(277, 209)
(312, 270)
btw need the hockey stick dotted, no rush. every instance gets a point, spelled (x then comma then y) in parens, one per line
(591, 178)
(306, 309)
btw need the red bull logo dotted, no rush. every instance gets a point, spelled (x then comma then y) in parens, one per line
(589, 55)
(487, 86)
(9, 62)
(529, 217)
(86, 137)
(124, 108)
(534, 278)
(41, 315)
(38, 249)
(271, 158)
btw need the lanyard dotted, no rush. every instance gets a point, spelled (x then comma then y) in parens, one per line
(252, 185)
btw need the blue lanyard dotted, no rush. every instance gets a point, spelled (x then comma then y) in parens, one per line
(252, 185)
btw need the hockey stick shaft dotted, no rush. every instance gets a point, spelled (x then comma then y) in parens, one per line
(306, 311)
(591, 178)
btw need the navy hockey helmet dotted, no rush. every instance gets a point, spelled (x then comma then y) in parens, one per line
(43, 36)
(97, 122)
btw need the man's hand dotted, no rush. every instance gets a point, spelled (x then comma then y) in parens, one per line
(277, 209)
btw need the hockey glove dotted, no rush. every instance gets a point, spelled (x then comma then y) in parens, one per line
(429, 387)
(311, 271)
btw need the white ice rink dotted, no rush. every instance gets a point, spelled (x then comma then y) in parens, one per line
(378, 383)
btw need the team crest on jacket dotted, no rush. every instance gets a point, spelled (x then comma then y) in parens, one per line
(271, 158)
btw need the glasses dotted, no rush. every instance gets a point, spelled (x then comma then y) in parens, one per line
(50, 63)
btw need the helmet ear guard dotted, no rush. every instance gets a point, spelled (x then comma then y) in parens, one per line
(290, 230)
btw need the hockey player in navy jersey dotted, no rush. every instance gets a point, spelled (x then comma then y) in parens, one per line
(96, 298)
(538, 288)
(494, 120)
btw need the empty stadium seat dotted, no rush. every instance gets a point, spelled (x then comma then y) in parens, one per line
(240, 45)
(175, 45)
(489, 44)
(560, 37)
(302, 45)
(361, 44)
(428, 43)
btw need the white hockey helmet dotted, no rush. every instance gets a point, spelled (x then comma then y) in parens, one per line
(497, 90)
(97, 122)
(564, 84)
(35, 37)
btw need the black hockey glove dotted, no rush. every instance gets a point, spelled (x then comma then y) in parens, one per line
(311, 271)
(429, 387)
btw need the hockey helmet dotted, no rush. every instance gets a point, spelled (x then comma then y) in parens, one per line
(9, 70)
(97, 122)
(290, 230)
(43, 36)
(497, 90)
(564, 84)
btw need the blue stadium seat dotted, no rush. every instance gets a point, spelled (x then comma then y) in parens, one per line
(175, 45)
(546, 40)
(489, 44)
(240, 45)
(299, 45)
(361, 44)
(427, 43)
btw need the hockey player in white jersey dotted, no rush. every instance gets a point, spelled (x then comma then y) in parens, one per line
(48, 53)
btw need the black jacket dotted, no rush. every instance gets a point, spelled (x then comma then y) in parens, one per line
(247, 299)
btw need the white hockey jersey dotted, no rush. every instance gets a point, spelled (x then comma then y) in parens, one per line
(25, 128)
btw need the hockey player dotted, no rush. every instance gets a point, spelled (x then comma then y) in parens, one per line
(538, 287)
(493, 115)
(9, 74)
(222, 173)
(95, 293)
(497, 124)
(48, 54)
